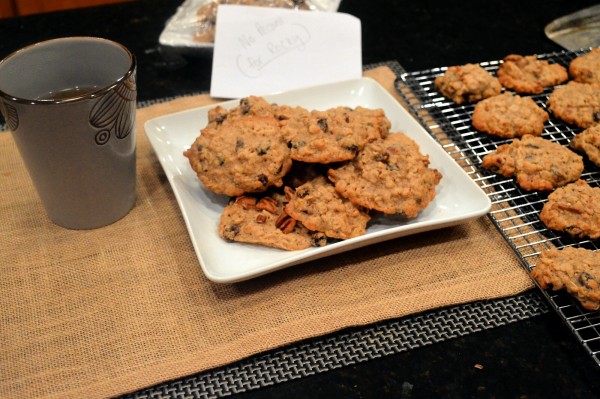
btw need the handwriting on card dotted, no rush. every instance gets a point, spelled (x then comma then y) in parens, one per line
(267, 42)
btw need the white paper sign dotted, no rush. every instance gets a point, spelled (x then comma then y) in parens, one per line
(264, 50)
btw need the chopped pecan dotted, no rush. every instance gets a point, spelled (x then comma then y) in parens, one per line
(261, 218)
(289, 193)
(268, 204)
(246, 202)
(285, 223)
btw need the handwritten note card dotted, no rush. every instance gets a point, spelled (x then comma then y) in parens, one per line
(263, 50)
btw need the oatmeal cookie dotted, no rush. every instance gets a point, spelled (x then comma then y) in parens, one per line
(537, 163)
(586, 68)
(529, 74)
(248, 106)
(509, 115)
(467, 83)
(245, 155)
(262, 220)
(319, 207)
(333, 135)
(588, 142)
(574, 209)
(576, 103)
(390, 176)
(577, 270)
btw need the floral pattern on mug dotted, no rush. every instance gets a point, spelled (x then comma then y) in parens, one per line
(114, 113)
(10, 115)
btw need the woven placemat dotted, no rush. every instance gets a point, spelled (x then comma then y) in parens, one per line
(109, 311)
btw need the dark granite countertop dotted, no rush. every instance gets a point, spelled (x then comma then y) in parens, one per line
(535, 358)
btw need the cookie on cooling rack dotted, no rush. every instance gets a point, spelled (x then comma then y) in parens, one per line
(509, 115)
(537, 163)
(262, 220)
(467, 83)
(530, 75)
(576, 103)
(246, 154)
(577, 270)
(319, 207)
(389, 175)
(588, 142)
(586, 68)
(333, 135)
(574, 209)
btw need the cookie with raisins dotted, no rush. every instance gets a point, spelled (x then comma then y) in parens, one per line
(509, 115)
(536, 163)
(574, 209)
(262, 220)
(246, 154)
(333, 135)
(389, 175)
(467, 83)
(586, 67)
(588, 142)
(576, 270)
(530, 75)
(319, 207)
(576, 104)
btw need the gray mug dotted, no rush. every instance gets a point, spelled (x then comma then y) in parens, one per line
(70, 104)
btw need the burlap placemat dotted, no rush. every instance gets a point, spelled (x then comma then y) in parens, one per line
(91, 314)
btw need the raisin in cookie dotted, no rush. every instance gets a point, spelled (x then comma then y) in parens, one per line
(574, 209)
(577, 270)
(586, 68)
(537, 163)
(244, 155)
(319, 207)
(263, 221)
(588, 142)
(333, 135)
(576, 103)
(467, 83)
(508, 115)
(390, 176)
(529, 74)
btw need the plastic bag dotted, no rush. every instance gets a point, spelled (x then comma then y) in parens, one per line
(193, 25)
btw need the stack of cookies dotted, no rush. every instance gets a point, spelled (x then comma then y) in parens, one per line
(299, 178)
(573, 207)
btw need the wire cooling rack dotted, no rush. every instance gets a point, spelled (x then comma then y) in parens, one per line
(515, 212)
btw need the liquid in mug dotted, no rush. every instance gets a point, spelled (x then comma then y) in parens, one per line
(65, 94)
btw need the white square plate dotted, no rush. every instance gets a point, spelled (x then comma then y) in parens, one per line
(458, 197)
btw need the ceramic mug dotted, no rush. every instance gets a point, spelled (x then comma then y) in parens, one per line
(70, 104)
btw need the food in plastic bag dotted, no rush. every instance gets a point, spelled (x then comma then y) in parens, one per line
(193, 25)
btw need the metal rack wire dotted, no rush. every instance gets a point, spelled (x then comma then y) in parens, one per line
(515, 212)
